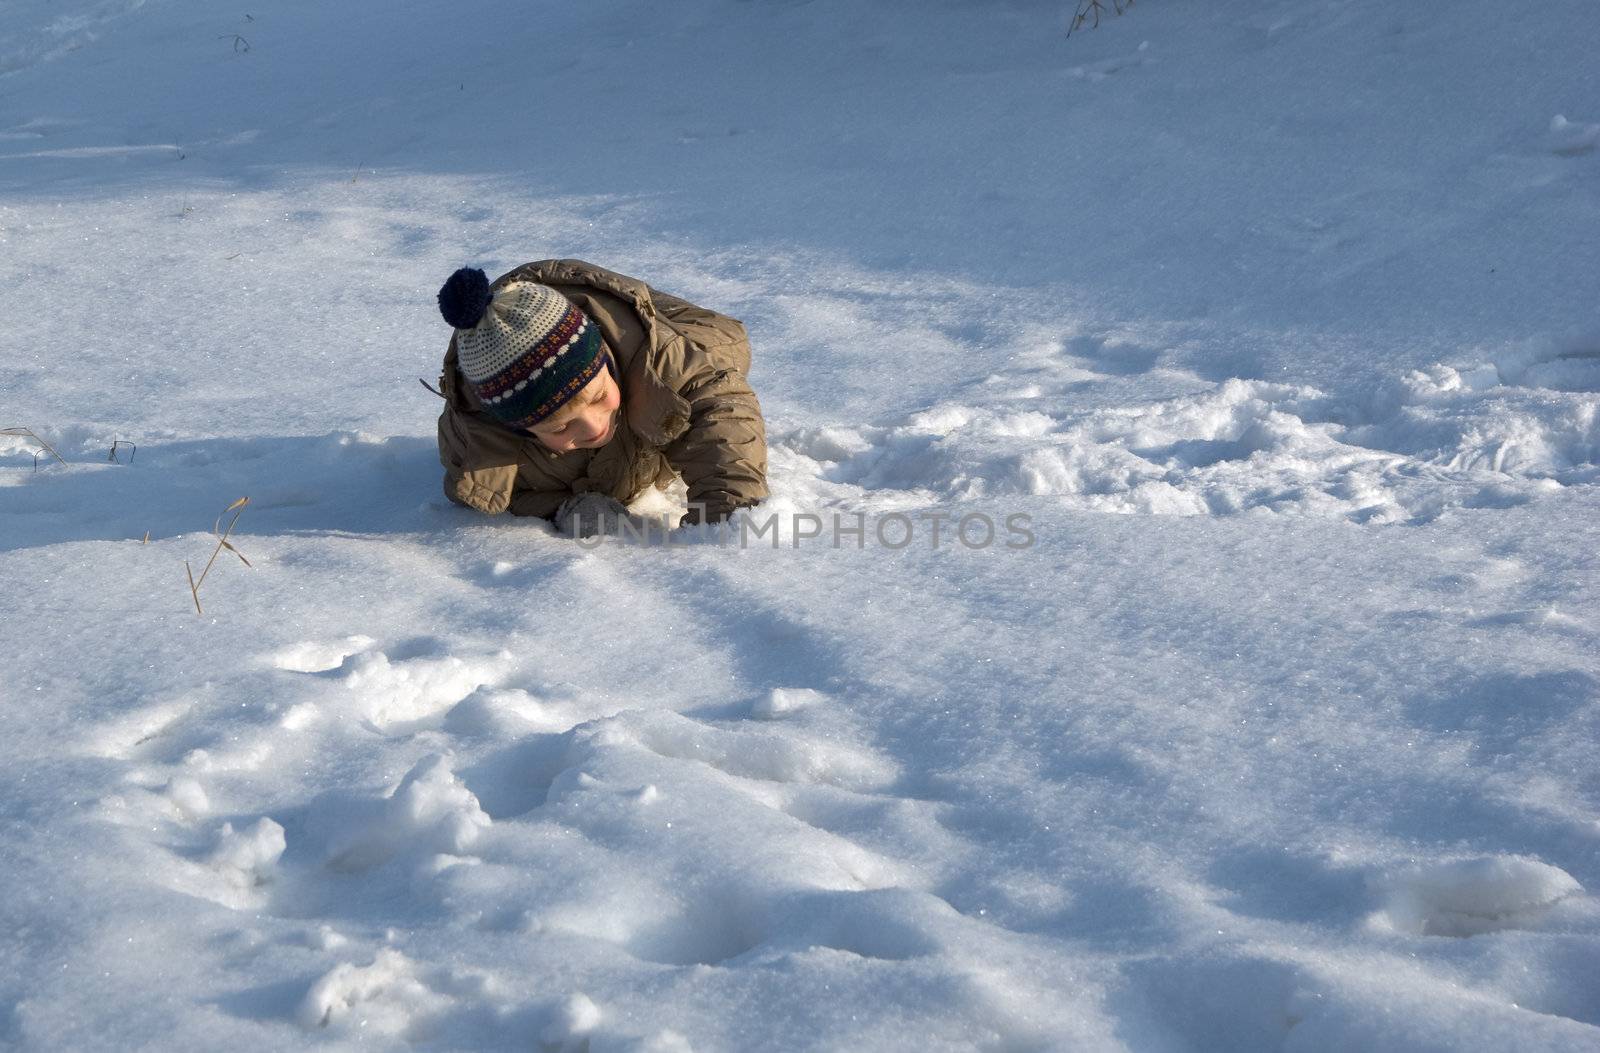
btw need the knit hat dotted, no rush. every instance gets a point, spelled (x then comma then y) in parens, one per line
(523, 348)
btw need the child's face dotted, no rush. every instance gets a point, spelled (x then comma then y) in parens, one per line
(585, 423)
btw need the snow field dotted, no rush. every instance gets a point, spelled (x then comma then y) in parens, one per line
(1274, 320)
(416, 877)
(853, 811)
(425, 825)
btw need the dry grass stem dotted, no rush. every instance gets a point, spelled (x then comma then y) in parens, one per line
(194, 590)
(237, 508)
(29, 433)
(1093, 9)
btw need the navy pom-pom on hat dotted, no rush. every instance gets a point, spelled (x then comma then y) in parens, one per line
(524, 350)
(464, 297)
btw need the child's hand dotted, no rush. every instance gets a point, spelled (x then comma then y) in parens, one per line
(588, 514)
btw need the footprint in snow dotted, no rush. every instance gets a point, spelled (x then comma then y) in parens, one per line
(1110, 356)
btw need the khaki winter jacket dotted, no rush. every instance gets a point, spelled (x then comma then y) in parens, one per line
(686, 409)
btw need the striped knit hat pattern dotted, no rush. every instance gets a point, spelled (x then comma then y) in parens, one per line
(524, 349)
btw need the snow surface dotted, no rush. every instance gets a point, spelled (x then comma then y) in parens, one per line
(1275, 320)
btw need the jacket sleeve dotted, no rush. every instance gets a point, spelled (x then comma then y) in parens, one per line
(481, 471)
(470, 478)
(541, 503)
(722, 454)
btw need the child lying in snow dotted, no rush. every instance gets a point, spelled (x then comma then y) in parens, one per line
(570, 389)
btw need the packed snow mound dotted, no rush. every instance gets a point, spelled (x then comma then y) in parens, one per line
(430, 811)
(1431, 440)
(246, 858)
(570, 1026)
(316, 656)
(383, 998)
(188, 796)
(783, 702)
(392, 694)
(772, 754)
(576, 1027)
(1572, 138)
(1469, 897)
(1529, 416)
